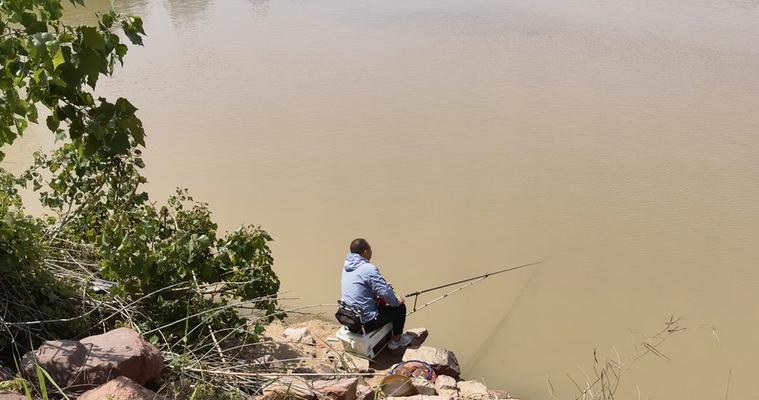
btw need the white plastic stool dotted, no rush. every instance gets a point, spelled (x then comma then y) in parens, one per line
(368, 345)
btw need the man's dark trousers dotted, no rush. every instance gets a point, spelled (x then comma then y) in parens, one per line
(396, 315)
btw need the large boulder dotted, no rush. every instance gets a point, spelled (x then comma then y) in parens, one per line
(446, 386)
(62, 359)
(97, 359)
(443, 361)
(122, 352)
(121, 388)
(472, 390)
(338, 389)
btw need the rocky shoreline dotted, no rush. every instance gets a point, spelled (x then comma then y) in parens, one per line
(299, 360)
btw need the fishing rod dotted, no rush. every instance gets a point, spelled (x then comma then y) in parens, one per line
(469, 281)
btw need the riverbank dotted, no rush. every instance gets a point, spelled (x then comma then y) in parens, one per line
(296, 359)
(319, 349)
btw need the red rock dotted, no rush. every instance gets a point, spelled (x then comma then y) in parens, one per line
(418, 397)
(62, 359)
(97, 359)
(121, 388)
(338, 389)
(121, 352)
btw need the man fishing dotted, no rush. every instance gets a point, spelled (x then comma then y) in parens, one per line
(364, 288)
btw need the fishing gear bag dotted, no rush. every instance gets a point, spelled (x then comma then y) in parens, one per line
(349, 316)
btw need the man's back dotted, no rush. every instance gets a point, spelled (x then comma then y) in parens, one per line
(362, 284)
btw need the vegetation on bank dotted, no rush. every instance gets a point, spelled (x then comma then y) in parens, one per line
(105, 255)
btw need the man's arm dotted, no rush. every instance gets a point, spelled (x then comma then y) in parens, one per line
(381, 288)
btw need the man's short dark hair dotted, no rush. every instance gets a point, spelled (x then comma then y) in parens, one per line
(359, 246)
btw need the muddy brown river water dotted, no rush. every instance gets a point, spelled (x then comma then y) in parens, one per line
(616, 139)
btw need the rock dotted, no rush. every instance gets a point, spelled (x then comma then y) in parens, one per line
(418, 397)
(11, 396)
(96, 359)
(364, 391)
(446, 386)
(472, 390)
(418, 336)
(62, 359)
(121, 388)
(290, 388)
(444, 362)
(499, 394)
(122, 352)
(423, 386)
(338, 389)
(299, 335)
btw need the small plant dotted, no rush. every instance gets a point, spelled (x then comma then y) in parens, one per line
(608, 372)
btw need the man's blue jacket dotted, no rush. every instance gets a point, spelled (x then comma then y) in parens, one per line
(362, 284)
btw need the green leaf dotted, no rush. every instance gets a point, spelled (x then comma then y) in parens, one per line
(132, 28)
(31, 24)
(119, 143)
(135, 129)
(89, 65)
(107, 19)
(121, 51)
(54, 9)
(137, 23)
(52, 122)
(58, 58)
(92, 38)
(124, 106)
(76, 128)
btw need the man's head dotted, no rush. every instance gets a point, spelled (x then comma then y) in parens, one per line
(361, 247)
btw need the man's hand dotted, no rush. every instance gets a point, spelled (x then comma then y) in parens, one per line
(401, 299)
